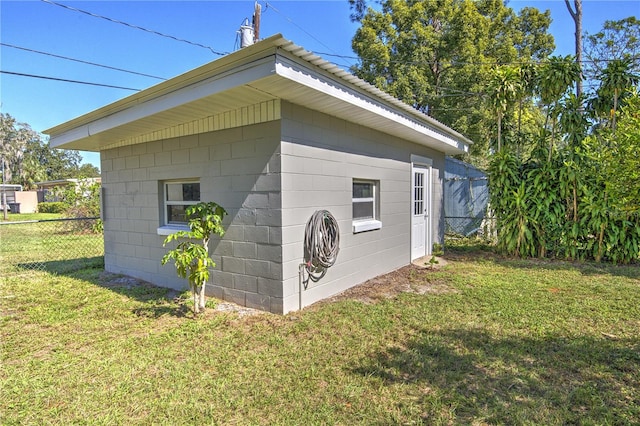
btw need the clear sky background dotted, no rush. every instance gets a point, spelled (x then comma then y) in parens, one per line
(323, 27)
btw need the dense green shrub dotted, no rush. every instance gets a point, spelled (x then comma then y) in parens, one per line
(52, 207)
(559, 206)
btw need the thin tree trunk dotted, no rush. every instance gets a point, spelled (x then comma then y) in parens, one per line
(600, 238)
(196, 304)
(551, 140)
(577, 20)
(615, 109)
(519, 128)
(499, 130)
(575, 202)
(202, 300)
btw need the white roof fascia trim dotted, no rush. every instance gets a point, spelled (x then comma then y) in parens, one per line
(332, 68)
(307, 77)
(72, 135)
(211, 86)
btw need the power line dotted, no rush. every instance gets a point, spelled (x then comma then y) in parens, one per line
(269, 5)
(81, 61)
(457, 63)
(67, 80)
(137, 27)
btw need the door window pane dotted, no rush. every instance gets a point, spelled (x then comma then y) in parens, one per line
(418, 193)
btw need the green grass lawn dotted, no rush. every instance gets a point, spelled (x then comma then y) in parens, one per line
(508, 342)
(21, 217)
(54, 246)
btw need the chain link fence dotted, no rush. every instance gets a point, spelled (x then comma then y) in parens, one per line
(466, 202)
(460, 227)
(55, 245)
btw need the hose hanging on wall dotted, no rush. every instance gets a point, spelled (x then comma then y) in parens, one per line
(321, 244)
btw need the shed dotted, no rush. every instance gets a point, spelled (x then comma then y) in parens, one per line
(13, 198)
(272, 133)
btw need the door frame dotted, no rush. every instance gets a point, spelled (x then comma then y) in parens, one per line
(419, 162)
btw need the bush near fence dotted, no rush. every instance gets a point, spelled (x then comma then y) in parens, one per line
(55, 245)
(51, 207)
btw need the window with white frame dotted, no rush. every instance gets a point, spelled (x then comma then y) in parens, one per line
(178, 196)
(365, 205)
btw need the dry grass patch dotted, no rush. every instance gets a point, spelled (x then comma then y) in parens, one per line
(409, 279)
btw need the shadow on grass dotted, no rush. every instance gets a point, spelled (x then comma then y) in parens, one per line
(66, 266)
(157, 301)
(513, 380)
(475, 251)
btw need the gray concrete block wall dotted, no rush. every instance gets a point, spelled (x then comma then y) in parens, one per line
(239, 169)
(321, 155)
(271, 178)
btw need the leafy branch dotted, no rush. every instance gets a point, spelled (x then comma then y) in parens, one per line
(191, 259)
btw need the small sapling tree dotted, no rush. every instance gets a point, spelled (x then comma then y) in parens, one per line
(191, 258)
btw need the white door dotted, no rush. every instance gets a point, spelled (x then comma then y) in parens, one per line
(420, 211)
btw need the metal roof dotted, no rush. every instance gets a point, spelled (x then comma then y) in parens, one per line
(272, 69)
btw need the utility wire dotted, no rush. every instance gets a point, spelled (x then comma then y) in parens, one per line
(80, 61)
(456, 63)
(67, 80)
(135, 27)
(270, 6)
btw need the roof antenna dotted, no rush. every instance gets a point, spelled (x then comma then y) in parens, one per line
(250, 33)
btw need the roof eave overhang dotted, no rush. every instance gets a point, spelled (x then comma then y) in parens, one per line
(272, 69)
(81, 133)
(366, 108)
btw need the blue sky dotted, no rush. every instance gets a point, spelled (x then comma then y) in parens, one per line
(319, 26)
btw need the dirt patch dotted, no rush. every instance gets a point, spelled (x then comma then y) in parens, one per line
(417, 278)
(409, 279)
(128, 285)
(242, 311)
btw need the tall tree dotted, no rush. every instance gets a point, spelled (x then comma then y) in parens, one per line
(438, 55)
(504, 87)
(621, 159)
(576, 14)
(14, 138)
(617, 40)
(28, 158)
(555, 77)
(58, 164)
(87, 170)
(616, 80)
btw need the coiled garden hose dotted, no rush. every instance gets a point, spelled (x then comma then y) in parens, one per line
(321, 244)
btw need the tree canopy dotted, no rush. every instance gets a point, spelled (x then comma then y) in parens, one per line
(439, 56)
(564, 177)
(618, 40)
(28, 158)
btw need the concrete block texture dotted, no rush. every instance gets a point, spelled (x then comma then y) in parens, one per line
(259, 301)
(319, 174)
(270, 177)
(235, 168)
(245, 283)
